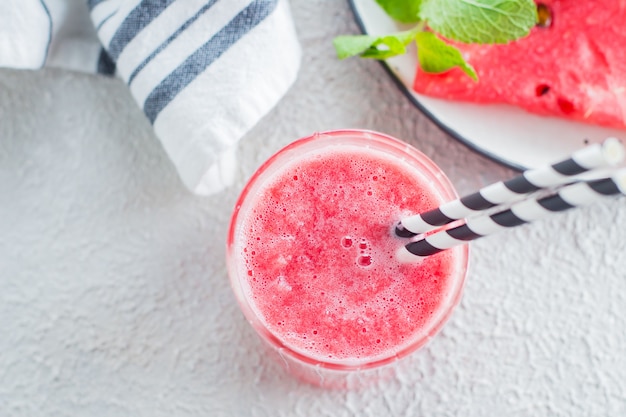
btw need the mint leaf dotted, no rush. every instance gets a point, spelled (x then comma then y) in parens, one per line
(435, 56)
(480, 21)
(376, 47)
(347, 45)
(392, 46)
(405, 11)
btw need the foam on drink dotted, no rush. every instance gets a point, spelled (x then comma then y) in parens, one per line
(317, 263)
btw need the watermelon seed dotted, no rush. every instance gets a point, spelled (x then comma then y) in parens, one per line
(566, 106)
(542, 89)
(544, 16)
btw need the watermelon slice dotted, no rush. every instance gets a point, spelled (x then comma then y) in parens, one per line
(574, 67)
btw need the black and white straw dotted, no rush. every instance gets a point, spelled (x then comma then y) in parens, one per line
(570, 196)
(606, 154)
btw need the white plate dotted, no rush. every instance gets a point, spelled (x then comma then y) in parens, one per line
(504, 133)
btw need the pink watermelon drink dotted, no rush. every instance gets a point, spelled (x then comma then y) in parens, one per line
(311, 252)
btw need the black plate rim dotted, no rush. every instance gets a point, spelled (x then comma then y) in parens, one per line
(441, 125)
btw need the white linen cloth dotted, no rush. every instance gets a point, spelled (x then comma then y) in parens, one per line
(203, 71)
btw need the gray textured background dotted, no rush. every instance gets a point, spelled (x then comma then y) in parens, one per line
(114, 298)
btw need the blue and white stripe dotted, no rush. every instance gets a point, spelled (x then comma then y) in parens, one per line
(204, 56)
(170, 41)
(102, 11)
(203, 71)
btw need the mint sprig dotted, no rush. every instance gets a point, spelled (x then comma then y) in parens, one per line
(480, 21)
(468, 21)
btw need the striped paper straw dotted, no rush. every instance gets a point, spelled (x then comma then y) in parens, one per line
(595, 156)
(570, 196)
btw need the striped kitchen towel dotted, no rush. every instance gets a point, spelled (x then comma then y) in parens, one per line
(203, 71)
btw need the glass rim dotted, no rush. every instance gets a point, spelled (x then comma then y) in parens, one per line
(461, 258)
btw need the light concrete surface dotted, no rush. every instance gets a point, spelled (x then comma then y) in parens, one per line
(114, 298)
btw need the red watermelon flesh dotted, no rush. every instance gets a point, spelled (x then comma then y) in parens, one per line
(574, 68)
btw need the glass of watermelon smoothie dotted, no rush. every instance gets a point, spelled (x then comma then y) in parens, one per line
(311, 255)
